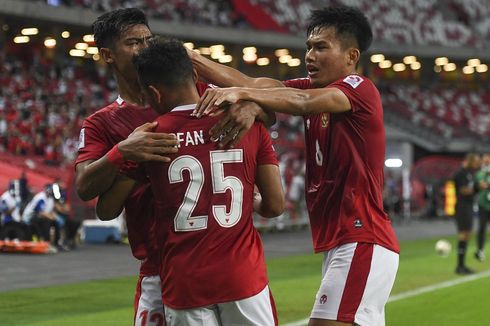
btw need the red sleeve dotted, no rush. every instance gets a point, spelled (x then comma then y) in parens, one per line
(359, 90)
(300, 83)
(92, 143)
(266, 153)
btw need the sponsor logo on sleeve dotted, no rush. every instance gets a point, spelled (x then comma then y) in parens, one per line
(353, 80)
(81, 139)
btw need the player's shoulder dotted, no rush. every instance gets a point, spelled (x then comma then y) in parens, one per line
(355, 82)
(104, 112)
(302, 83)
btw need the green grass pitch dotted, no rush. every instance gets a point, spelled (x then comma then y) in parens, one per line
(293, 280)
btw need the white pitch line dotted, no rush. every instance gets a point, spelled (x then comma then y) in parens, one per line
(413, 293)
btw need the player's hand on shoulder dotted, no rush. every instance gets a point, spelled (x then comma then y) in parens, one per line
(145, 145)
(215, 99)
(235, 123)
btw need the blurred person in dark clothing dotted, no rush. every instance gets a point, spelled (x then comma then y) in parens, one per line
(465, 193)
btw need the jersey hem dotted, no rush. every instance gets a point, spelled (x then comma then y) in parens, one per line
(193, 306)
(319, 249)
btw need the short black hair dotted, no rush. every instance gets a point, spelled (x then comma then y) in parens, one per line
(109, 27)
(164, 62)
(349, 22)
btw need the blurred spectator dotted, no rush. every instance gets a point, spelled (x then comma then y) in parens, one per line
(483, 183)
(40, 215)
(11, 226)
(66, 222)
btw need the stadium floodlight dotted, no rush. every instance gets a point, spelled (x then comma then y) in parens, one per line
(294, 62)
(441, 61)
(49, 42)
(409, 59)
(473, 62)
(21, 39)
(217, 48)
(280, 52)
(393, 163)
(81, 46)
(92, 50)
(88, 38)
(384, 64)
(263, 61)
(77, 53)
(399, 67)
(468, 70)
(249, 50)
(285, 58)
(249, 57)
(65, 34)
(205, 51)
(225, 59)
(449, 67)
(96, 57)
(189, 45)
(437, 68)
(29, 31)
(377, 58)
(217, 54)
(482, 68)
(415, 65)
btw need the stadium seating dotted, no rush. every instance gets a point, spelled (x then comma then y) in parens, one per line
(422, 22)
(450, 112)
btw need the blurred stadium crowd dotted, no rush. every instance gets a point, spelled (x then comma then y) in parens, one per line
(44, 97)
(448, 23)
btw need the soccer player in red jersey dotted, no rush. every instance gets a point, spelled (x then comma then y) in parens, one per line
(120, 132)
(345, 144)
(213, 267)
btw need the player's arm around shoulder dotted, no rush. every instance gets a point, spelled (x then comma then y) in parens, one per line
(306, 101)
(111, 202)
(282, 99)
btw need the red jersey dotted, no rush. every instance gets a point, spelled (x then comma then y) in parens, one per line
(204, 204)
(100, 132)
(344, 169)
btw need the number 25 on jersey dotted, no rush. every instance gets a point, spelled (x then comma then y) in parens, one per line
(184, 221)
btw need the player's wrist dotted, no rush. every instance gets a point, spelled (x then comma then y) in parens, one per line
(115, 157)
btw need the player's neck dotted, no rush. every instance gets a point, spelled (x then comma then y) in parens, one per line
(181, 97)
(130, 92)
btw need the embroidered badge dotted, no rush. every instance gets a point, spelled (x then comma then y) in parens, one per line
(353, 80)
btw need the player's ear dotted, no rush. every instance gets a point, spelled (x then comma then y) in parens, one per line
(106, 55)
(155, 93)
(353, 56)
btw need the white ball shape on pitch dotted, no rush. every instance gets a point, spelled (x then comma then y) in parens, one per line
(443, 247)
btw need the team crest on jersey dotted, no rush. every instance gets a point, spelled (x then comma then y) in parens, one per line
(325, 120)
(353, 80)
(81, 139)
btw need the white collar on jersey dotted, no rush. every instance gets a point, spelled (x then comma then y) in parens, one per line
(119, 99)
(184, 107)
